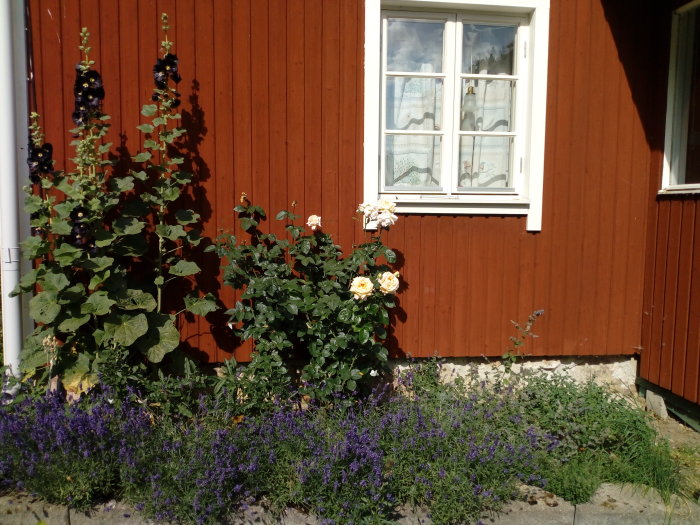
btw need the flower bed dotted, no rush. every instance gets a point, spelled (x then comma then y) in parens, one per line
(458, 450)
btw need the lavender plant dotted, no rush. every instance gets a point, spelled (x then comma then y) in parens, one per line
(458, 450)
(69, 454)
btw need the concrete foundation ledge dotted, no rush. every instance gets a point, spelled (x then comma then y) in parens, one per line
(611, 505)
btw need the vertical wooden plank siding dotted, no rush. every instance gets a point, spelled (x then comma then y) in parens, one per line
(671, 356)
(273, 92)
(671, 309)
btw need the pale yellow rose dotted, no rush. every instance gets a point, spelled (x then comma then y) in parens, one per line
(361, 287)
(386, 205)
(313, 222)
(389, 282)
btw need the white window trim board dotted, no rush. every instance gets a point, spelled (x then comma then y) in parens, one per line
(529, 202)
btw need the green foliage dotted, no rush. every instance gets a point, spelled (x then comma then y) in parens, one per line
(297, 305)
(106, 244)
(602, 438)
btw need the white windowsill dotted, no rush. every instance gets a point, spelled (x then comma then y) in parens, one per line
(681, 189)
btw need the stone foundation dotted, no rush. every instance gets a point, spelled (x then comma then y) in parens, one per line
(617, 373)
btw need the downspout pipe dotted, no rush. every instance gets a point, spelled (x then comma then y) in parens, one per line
(13, 108)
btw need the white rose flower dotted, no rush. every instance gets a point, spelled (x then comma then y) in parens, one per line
(389, 282)
(361, 287)
(369, 209)
(386, 219)
(313, 222)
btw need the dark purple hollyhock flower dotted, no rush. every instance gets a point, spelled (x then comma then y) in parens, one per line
(79, 215)
(166, 68)
(39, 160)
(89, 93)
(88, 80)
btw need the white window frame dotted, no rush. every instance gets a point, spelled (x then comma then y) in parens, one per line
(525, 198)
(677, 108)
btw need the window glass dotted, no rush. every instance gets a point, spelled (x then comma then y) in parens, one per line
(413, 162)
(486, 105)
(415, 46)
(414, 103)
(692, 167)
(488, 49)
(484, 162)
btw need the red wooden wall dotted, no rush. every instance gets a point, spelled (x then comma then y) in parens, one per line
(671, 337)
(272, 91)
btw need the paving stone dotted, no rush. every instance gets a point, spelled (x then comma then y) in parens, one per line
(627, 504)
(535, 506)
(112, 513)
(23, 509)
(257, 515)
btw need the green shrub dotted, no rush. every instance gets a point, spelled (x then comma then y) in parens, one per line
(304, 305)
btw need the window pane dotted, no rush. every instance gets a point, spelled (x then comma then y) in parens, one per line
(413, 103)
(692, 167)
(484, 162)
(486, 105)
(415, 46)
(413, 161)
(488, 49)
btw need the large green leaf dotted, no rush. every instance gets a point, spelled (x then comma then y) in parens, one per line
(32, 358)
(66, 254)
(128, 226)
(98, 303)
(104, 238)
(125, 329)
(172, 233)
(142, 157)
(148, 110)
(201, 305)
(33, 203)
(136, 300)
(54, 281)
(98, 278)
(59, 227)
(162, 337)
(122, 184)
(183, 268)
(96, 264)
(43, 307)
(26, 282)
(34, 246)
(186, 216)
(131, 245)
(73, 323)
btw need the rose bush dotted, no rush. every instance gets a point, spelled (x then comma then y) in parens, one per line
(316, 317)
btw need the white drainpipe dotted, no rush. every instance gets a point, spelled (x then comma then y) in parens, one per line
(13, 139)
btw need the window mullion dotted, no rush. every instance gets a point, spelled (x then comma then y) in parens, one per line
(452, 103)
